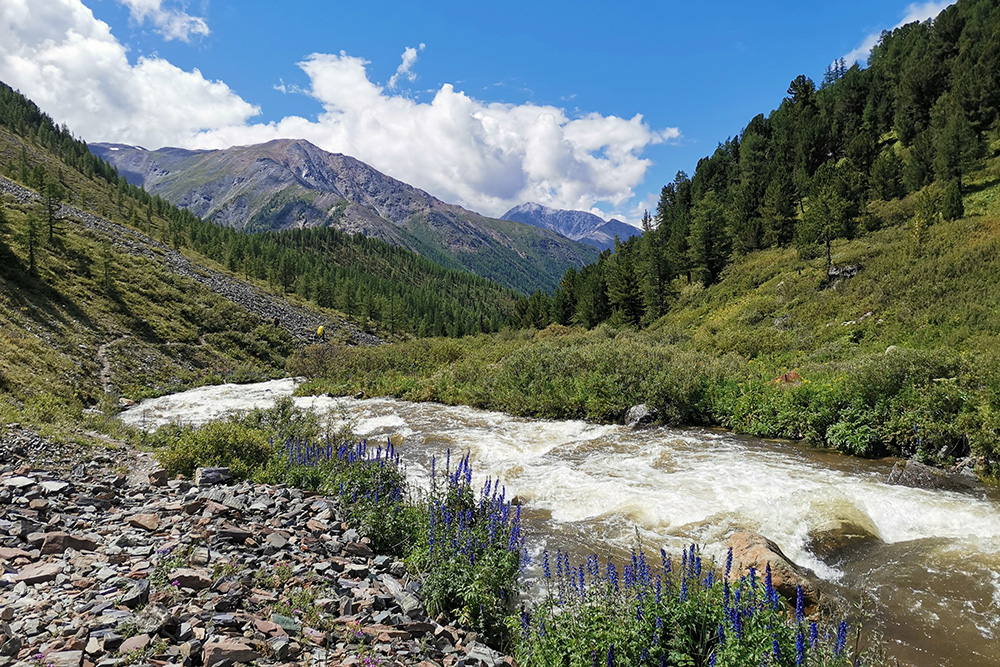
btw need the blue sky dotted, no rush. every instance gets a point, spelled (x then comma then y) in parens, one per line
(572, 104)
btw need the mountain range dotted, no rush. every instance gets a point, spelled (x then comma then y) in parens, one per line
(577, 225)
(288, 184)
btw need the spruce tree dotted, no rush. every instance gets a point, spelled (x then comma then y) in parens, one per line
(951, 206)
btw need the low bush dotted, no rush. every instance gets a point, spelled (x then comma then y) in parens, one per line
(934, 405)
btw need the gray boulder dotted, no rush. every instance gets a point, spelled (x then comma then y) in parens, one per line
(640, 416)
(919, 476)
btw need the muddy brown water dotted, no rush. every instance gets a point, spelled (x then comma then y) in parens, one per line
(931, 583)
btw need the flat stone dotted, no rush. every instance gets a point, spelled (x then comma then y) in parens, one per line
(9, 553)
(359, 549)
(276, 540)
(232, 532)
(134, 643)
(159, 477)
(20, 482)
(64, 659)
(150, 522)
(286, 623)
(279, 646)
(37, 573)
(484, 655)
(53, 486)
(212, 476)
(267, 627)
(11, 647)
(191, 648)
(217, 649)
(154, 618)
(58, 541)
(137, 594)
(189, 577)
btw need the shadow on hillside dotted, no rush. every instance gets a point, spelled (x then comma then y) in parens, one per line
(979, 187)
(44, 305)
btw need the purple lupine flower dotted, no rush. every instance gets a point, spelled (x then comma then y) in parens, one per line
(800, 605)
(729, 562)
(545, 564)
(611, 655)
(776, 648)
(770, 595)
(800, 647)
(838, 648)
(813, 634)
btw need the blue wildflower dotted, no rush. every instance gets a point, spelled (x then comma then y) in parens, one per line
(838, 648)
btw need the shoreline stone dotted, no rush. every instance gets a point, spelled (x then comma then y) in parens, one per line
(172, 573)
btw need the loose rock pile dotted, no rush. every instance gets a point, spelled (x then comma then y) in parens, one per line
(105, 568)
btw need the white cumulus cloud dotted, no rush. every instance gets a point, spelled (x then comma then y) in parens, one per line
(405, 69)
(917, 11)
(485, 156)
(171, 23)
(58, 54)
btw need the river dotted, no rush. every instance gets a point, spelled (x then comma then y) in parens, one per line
(933, 581)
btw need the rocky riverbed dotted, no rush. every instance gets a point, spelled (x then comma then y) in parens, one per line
(106, 562)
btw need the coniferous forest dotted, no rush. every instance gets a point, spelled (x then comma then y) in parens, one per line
(835, 160)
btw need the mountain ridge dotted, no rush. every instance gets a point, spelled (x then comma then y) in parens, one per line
(291, 183)
(581, 226)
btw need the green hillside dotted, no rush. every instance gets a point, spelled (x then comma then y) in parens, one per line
(899, 142)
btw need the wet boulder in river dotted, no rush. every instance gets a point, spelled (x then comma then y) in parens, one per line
(640, 416)
(919, 476)
(756, 551)
(840, 528)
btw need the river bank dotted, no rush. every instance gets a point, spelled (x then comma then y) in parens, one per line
(106, 563)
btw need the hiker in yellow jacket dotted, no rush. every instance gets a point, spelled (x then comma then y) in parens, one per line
(320, 332)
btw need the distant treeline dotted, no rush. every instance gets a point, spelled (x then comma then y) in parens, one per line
(400, 290)
(830, 162)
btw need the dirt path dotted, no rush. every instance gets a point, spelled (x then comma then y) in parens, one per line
(104, 374)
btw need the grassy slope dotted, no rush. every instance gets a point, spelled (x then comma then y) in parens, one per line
(899, 359)
(155, 330)
(933, 289)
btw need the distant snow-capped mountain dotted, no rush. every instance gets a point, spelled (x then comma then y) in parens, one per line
(576, 225)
